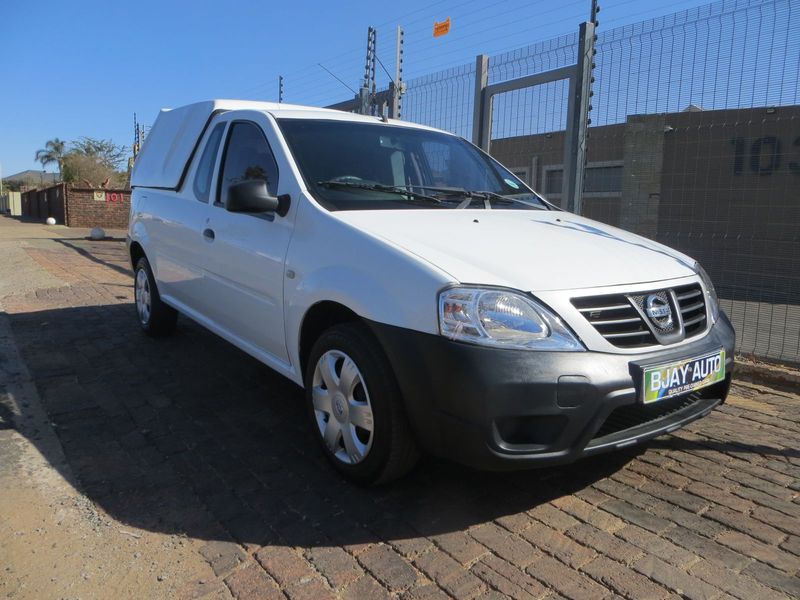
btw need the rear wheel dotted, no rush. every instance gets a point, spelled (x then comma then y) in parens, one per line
(155, 317)
(356, 408)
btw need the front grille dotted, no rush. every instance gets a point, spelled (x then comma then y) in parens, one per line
(634, 415)
(616, 319)
(691, 301)
(620, 319)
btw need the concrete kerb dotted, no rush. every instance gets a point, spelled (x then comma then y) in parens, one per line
(783, 377)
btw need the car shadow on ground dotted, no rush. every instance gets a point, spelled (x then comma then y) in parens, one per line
(6, 417)
(99, 251)
(189, 435)
(726, 447)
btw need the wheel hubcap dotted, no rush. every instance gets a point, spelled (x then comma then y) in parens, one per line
(342, 407)
(339, 408)
(142, 289)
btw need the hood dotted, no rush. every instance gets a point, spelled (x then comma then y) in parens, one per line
(524, 250)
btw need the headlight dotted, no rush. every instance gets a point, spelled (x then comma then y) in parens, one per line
(712, 301)
(501, 318)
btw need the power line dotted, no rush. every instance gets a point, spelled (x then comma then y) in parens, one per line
(473, 32)
(462, 17)
(357, 51)
(311, 76)
(380, 62)
(400, 18)
(336, 78)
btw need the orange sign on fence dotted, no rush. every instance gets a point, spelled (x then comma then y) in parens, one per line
(440, 29)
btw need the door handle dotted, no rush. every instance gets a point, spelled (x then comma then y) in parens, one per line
(208, 234)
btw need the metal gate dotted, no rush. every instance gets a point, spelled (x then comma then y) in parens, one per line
(579, 79)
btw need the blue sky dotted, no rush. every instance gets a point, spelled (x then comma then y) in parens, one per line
(83, 68)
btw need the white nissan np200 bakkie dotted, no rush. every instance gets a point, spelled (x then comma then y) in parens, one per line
(424, 296)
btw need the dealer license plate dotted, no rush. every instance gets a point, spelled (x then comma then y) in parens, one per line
(669, 380)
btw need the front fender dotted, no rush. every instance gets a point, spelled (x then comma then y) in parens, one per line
(330, 260)
(353, 287)
(364, 294)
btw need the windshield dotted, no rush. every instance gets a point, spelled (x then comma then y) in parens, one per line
(351, 166)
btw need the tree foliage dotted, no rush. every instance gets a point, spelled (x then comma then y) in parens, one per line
(88, 162)
(91, 171)
(106, 152)
(53, 152)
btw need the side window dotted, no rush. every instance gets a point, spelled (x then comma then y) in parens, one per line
(247, 156)
(205, 168)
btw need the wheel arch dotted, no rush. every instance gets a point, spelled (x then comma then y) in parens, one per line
(318, 318)
(136, 252)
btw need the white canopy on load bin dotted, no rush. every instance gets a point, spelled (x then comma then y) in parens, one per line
(169, 145)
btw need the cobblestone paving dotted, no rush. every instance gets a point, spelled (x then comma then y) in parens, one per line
(189, 435)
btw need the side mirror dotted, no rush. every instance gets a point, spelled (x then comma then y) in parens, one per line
(252, 196)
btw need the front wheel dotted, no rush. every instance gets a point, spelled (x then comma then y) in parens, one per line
(356, 408)
(156, 318)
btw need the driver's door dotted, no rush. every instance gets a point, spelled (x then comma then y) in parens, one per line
(245, 253)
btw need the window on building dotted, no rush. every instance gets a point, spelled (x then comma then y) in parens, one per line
(596, 179)
(602, 179)
(553, 181)
(522, 173)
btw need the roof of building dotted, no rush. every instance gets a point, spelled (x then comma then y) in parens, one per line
(32, 176)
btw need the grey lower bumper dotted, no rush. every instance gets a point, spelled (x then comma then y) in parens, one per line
(498, 409)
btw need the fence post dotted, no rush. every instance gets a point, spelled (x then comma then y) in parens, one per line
(481, 81)
(578, 122)
(396, 86)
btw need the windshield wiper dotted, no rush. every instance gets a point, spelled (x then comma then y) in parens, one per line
(471, 195)
(379, 187)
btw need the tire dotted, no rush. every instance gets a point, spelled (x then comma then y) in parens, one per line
(155, 318)
(368, 397)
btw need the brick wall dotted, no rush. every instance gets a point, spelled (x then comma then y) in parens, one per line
(79, 207)
(98, 208)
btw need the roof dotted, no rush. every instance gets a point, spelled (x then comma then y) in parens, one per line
(32, 176)
(171, 141)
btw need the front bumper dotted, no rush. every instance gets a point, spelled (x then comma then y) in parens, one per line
(498, 409)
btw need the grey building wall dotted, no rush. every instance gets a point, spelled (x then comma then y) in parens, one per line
(722, 186)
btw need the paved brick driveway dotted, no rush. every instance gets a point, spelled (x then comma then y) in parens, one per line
(189, 435)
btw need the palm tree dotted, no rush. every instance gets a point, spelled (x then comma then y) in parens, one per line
(53, 152)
